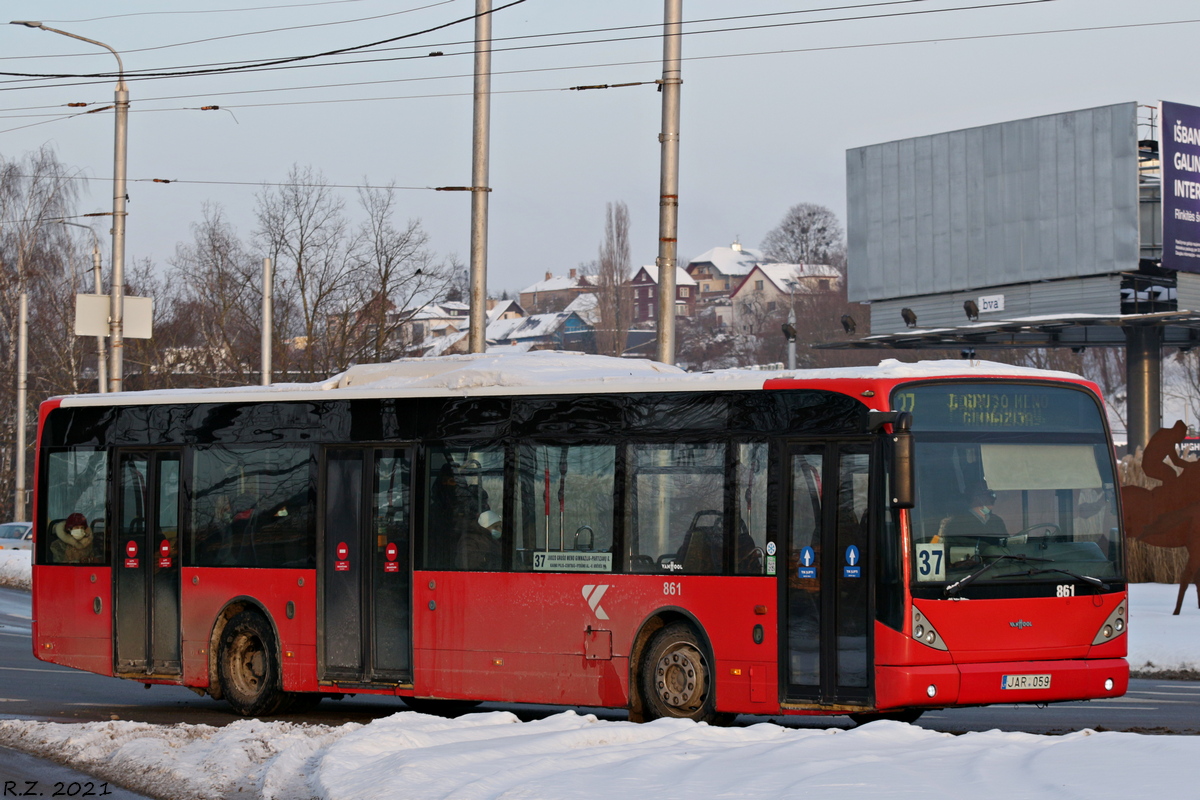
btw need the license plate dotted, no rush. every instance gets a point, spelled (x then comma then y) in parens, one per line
(1025, 682)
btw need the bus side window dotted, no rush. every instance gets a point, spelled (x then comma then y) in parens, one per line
(565, 502)
(466, 508)
(76, 483)
(253, 507)
(676, 508)
(751, 499)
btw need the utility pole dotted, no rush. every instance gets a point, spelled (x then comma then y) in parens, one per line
(116, 335)
(98, 281)
(668, 202)
(476, 339)
(268, 308)
(22, 390)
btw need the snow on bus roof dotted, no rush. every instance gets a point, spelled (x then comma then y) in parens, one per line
(561, 372)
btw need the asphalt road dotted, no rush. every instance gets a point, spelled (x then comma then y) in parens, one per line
(32, 689)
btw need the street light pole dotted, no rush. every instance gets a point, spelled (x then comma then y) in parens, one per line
(668, 201)
(101, 380)
(476, 329)
(121, 105)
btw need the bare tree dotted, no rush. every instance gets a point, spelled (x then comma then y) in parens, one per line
(614, 301)
(808, 234)
(215, 321)
(302, 226)
(394, 270)
(36, 191)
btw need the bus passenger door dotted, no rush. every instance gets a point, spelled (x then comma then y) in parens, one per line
(146, 582)
(366, 581)
(828, 579)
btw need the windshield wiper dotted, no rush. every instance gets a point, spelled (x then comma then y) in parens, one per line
(1099, 584)
(954, 588)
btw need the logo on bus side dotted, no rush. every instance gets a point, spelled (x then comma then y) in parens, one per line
(592, 594)
(1020, 624)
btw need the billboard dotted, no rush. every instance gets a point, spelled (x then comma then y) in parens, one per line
(1029, 200)
(1179, 149)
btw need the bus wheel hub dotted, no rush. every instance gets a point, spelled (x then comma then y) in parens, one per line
(679, 679)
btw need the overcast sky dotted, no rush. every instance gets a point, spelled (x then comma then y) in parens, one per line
(770, 103)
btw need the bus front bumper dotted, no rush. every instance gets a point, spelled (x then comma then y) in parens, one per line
(1000, 682)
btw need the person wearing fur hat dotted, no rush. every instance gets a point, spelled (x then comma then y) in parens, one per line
(72, 541)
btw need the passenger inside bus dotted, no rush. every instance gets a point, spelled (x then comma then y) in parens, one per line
(479, 547)
(73, 541)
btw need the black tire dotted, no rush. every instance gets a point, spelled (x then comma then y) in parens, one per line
(903, 715)
(248, 666)
(439, 708)
(676, 678)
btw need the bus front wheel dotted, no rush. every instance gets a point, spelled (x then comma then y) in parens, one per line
(248, 666)
(677, 679)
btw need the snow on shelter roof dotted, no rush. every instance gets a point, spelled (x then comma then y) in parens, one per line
(545, 372)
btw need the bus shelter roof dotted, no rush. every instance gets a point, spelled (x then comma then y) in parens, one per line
(1180, 329)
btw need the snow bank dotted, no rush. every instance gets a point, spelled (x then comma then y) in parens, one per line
(16, 570)
(1158, 641)
(574, 757)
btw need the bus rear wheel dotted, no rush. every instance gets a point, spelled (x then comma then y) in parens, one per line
(676, 679)
(248, 666)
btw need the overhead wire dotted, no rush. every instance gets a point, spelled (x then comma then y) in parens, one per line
(209, 11)
(217, 94)
(517, 37)
(243, 34)
(133, 74)
(716, 56)
(270, 65)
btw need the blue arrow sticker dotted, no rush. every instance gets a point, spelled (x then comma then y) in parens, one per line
(852, 568)
(808, 562)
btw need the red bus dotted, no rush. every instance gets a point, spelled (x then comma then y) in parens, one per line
(591, 532)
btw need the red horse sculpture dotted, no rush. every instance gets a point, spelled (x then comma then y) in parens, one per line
(1166, 516)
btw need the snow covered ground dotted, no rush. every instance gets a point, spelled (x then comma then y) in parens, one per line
(576, 757)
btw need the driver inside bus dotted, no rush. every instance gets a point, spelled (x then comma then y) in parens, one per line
(978, 519)
(72, 541)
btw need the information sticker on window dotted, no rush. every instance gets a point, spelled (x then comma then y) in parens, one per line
(931, 562)
(572, 562)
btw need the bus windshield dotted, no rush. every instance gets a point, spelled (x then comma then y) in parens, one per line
(1014, 485)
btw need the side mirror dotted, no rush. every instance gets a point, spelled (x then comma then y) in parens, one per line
(903, 469)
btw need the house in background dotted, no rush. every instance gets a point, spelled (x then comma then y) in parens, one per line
(644, 285)
(555, 292)
(770, 288)
(504, 309)
(719, 271)
(562, 330)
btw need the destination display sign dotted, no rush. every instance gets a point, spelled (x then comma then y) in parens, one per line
(1179, 151)
(997, 407)
(572, 562)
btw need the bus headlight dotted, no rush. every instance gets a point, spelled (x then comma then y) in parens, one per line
(1108, 684)
(1112, 627)
(924, 633)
